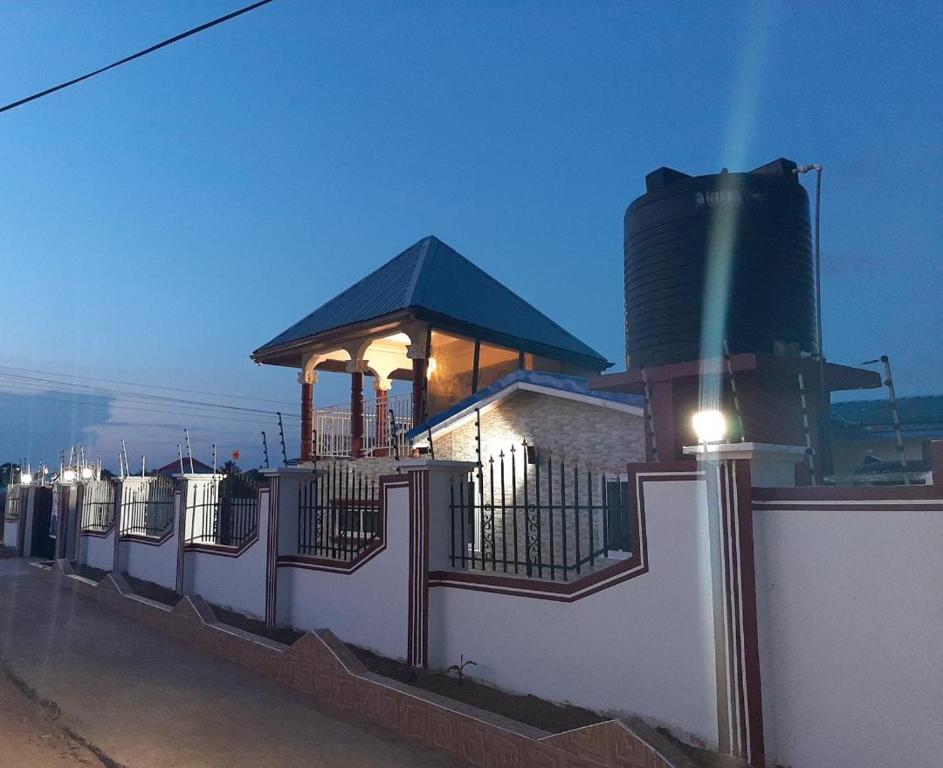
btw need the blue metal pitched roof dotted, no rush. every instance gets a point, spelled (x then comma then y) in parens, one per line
(433, 277)
(913, 411)
(558, 381)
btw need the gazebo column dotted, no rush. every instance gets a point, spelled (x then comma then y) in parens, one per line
(307, 380)
(382, 387)
(417, 353)
(356, 370)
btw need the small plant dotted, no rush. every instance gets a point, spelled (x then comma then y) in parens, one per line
(459, 669)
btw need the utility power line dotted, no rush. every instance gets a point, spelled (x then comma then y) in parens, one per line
(124, 394)
(87, 400)
(145, 386)
(133, 56)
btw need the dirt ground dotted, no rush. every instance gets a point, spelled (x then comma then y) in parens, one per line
(31, 736)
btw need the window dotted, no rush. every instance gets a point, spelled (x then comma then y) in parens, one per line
(451, 366)
(495, 362)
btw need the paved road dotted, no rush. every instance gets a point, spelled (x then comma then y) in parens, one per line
(119, 694)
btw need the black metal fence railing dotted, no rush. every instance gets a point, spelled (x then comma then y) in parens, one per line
(224, 511)
(525, 515)
(338, 514)
(12, 504)
(98, 506)
(147, 508)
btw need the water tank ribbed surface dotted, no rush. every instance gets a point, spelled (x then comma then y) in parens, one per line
(684, 226)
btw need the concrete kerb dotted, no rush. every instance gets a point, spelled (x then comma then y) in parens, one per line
(321, 665)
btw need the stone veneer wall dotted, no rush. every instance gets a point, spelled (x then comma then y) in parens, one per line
(588, 437)
(597, 437)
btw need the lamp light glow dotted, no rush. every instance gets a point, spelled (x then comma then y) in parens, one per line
(25, 478)
(431, 365)
(86, 473)
(710, 426)
(69, 475)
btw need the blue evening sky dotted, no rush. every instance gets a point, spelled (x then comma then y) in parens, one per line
(161, 221)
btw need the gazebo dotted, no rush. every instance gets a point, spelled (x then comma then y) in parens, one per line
(428, 316)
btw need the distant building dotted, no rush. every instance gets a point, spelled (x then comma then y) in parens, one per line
(173, 468)
(864, 440)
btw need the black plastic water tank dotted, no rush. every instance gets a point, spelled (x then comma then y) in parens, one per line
(685, 225)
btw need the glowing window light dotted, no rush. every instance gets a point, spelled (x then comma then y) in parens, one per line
(25, 478)
(69, 475)
(86, 473)
(710, 426)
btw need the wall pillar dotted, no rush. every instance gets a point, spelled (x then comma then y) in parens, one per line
(731, 472)
(430, 532)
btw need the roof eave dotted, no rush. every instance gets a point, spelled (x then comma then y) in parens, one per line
(457, 419)
(275, 354)
(285, 353)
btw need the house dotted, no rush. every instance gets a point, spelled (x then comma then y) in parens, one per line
(536, 434)
(549, 412)
(865, 441)
(428, 317)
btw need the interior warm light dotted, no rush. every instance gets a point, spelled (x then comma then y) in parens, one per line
(710, 426)
(430, 367)
(86, 473)
(69, 475)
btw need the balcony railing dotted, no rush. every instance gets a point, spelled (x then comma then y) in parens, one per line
(333, 437)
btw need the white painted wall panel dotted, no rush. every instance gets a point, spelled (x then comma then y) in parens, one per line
(10, 531)
(644, 646)
(157, 564)
(237, 583)
(367, 607)
(97, 551)
(851, 632)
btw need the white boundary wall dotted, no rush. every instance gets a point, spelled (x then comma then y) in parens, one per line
(851, 636)
(11, 530)
(233, 581)
(645, 646)
(368, 607)
(97, 551)
(150, 561)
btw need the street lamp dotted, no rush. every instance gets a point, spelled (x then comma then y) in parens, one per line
(710, 426)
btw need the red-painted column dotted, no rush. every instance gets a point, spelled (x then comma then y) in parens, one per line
(307, 418)
(383, 432)
(356, 414)
(663, 419)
